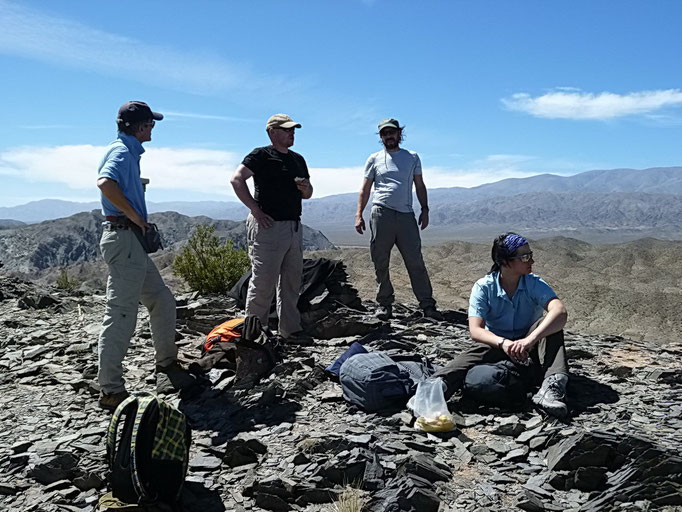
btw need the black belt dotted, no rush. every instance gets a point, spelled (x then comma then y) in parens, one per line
(114, 227)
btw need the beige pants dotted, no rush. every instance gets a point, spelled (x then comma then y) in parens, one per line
(276, 265)
(133, 278)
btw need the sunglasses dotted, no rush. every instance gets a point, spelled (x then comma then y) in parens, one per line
(149, 124)
(287, 129)
(524, 258)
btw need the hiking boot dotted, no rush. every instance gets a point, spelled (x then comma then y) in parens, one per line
(109, 402)
(384, 312)
(299, 338)
(432, 312)
(552, 394)
(173, 377)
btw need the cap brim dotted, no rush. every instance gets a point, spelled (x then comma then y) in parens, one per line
(156, 116)
(289, 124)
(388, 125)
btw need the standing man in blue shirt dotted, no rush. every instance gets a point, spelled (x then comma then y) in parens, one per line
(133, 277)
(393, 171)
(506, 321)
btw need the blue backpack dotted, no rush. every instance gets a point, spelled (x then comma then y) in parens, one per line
(375, 383)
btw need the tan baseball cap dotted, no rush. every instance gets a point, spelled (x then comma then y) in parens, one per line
(389, 123)
(281, 121)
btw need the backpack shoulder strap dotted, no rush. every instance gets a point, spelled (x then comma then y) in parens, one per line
(144, 404)
(113, 427)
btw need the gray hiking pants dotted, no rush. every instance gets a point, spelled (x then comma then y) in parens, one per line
(549, 354)
(388, 228)
(276, 265)
(133, 278)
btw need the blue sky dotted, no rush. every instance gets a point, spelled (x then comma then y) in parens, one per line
(487, 90)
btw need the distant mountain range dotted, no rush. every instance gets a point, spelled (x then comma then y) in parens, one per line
(602, 205)
(29, 249)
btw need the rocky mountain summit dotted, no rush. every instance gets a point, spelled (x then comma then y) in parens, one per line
(293, 443)
(33, 248)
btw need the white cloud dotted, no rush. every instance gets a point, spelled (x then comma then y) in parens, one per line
(331, 181)
(169, 114)
(181, 170)
(572, 104)
(32, 34)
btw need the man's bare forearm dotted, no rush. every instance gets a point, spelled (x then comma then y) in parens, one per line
(363, 197)
(422, 197)
(241, 190)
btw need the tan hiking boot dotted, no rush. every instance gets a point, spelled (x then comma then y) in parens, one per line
(172, 378)
(110, 402)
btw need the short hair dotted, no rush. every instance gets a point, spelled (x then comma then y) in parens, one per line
(500, 253)
(131, 128)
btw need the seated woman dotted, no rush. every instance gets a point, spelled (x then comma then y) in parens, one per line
(506, 320)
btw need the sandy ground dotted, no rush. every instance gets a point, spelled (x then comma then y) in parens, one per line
(632, 290)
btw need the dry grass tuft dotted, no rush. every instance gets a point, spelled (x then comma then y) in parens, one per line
(351, 500)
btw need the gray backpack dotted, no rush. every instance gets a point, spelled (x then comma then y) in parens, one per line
(375, 383)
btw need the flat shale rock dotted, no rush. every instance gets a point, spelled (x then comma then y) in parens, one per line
(292, 443)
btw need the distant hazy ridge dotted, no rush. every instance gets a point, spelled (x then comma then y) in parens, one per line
(598, 206)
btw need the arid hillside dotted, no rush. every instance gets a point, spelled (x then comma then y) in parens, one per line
(632, 289)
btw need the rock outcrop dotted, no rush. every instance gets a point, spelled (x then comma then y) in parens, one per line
(62, 242)
(292, 442)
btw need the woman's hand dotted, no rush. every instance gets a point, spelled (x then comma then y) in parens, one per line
(518, 350)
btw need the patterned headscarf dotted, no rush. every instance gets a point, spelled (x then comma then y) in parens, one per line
(513, 242)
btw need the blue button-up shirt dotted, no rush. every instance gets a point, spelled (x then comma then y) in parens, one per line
(509, 317)
(121, 163)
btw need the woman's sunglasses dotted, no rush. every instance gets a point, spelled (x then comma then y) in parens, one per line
(524, 258)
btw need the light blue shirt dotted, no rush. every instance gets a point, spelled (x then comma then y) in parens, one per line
(509, 318)
(393, 176)
(121, 163)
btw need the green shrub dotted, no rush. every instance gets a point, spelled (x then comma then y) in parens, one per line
(64, 282)
(207, 266)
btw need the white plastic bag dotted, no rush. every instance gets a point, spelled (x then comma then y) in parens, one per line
(430, 408)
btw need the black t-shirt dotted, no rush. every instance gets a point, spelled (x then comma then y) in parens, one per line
(273, 176)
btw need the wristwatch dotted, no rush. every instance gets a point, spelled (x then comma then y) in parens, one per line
(500, 344)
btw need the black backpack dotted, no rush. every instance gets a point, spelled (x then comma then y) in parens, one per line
(499, 384)
(148, 461)
(374, 382)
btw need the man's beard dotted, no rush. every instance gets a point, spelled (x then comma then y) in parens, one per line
(390, 143)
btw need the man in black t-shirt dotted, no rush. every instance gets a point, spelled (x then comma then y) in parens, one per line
(273, 227)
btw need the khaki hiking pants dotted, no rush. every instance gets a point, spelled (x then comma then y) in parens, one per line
(276, 265)
(548, 354)
(388, 228)
(133, 278)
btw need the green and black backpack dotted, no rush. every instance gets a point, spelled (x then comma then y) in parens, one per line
(148, 460)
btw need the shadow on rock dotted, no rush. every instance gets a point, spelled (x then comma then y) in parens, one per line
(230, 412)
(585, 393)
(197, 498)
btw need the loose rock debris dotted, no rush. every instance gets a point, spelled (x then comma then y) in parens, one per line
(292, 442)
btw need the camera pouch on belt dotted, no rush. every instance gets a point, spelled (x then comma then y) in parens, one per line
(151, 240)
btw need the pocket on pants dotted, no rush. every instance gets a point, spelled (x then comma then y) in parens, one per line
(115, 246)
